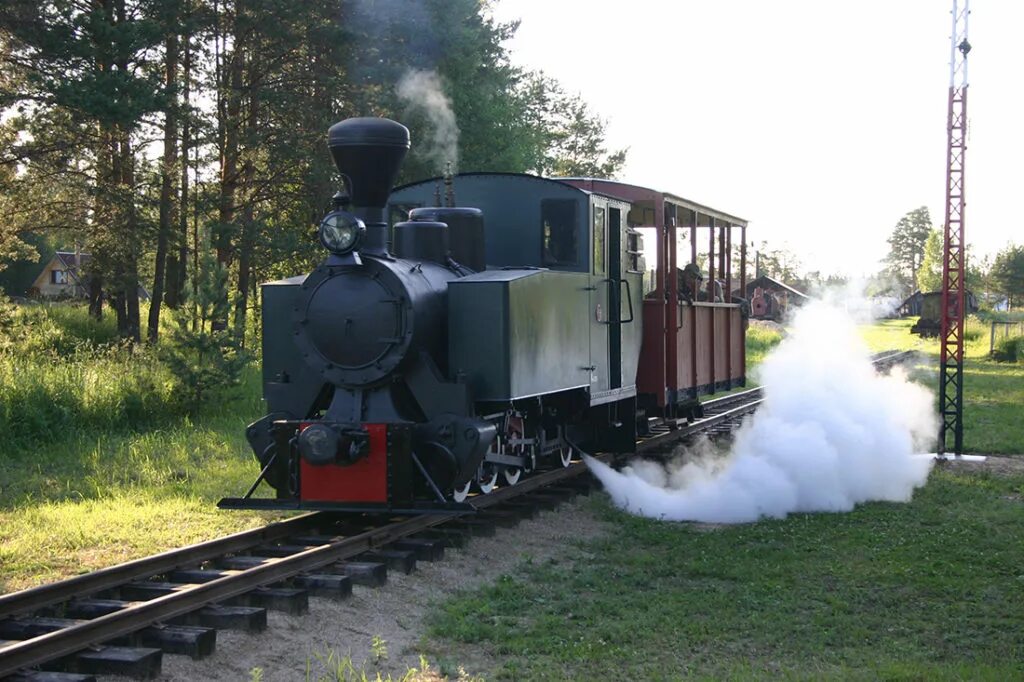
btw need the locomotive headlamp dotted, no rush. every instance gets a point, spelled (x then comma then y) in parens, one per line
(341, 232)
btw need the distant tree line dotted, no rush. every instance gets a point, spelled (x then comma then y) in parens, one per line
(916, 258)
(155, 133)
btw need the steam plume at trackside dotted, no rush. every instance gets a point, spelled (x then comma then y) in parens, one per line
(830, 434)
(423, 91)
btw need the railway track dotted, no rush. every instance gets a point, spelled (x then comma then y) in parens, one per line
(120, 620)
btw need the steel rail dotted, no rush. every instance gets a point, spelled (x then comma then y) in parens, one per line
(36, 598)
(47, 647)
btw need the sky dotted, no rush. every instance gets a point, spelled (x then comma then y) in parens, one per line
(822, 122)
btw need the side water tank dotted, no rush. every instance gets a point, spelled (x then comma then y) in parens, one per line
(422, 240)
(465, 232)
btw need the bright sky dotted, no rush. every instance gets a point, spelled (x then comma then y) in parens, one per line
(820, 121)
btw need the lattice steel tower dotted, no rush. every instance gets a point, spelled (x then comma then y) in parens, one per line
(954, 248)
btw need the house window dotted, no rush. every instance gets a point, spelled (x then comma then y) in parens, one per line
(558, 221)
(58, 276)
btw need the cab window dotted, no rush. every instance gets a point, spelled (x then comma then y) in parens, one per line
(558, 221)
(599, 240)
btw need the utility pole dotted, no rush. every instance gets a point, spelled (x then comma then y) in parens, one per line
(951, 389)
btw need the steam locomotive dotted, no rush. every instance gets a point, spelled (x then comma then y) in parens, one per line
(427, 359)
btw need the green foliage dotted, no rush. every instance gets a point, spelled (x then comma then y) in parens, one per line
(907, 246)
(206, 361)
(1010, 349)
(761, 339)
(929, 276)
(62, 371)
(572, 136)
(781, 264)
(1007, 272)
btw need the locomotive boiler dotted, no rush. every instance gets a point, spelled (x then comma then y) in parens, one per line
(429, 357)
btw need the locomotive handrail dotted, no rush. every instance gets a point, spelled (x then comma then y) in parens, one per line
(629, 299)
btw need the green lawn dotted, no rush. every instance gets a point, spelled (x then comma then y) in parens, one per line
(90, 501)
(993, 391)
(927, 590)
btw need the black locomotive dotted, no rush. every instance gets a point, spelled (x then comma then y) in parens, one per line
(367, 407)
(428, 358)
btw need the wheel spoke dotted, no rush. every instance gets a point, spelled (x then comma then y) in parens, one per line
(460, 494)
(512, 475)
(487, 478)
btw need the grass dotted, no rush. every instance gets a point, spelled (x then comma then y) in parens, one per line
(993, 391)
(101, 461)
(927, 590)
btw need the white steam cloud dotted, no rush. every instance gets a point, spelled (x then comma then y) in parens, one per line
(423, 91)
(831, 433)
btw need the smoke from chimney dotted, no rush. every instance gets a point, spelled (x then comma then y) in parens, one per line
(830, 434)
(423, 91)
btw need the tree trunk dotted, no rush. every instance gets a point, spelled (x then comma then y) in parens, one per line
(248, 237)
(129, 264)
(96, 296)
(178, 270)
(167, 172)
(229, 123)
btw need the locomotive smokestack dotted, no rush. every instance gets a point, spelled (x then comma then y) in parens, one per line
(368, 153)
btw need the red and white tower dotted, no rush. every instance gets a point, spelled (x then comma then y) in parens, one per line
(954, 248)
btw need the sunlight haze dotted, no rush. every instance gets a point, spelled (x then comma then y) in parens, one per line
(820, 122)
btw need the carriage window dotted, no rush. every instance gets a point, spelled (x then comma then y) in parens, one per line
(599, 241)
(634, 251)
(558, 220)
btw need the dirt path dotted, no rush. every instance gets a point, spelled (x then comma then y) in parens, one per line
(394, 613)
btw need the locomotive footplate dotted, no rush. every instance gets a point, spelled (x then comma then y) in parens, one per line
(351, 467)
(417, 508)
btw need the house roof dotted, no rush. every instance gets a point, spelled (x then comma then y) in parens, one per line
(908, 299)
(765, 280)
(67, 258)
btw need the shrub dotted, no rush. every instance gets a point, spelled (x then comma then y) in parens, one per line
(206, 362)
(1010, 349)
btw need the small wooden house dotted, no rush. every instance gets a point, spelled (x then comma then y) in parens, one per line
(63, 276)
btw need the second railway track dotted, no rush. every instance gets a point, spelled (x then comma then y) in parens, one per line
(121, 619)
